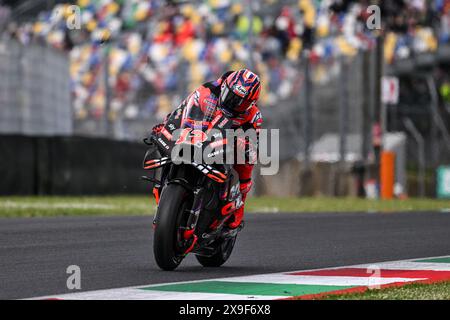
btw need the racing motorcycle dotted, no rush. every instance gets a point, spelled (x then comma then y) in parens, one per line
(194, 199)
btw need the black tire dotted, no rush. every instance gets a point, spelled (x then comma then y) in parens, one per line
(169, 214)
(224, 250)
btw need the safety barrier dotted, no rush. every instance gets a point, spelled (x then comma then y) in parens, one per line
(69, 166)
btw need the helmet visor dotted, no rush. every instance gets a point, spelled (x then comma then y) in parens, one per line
(231, 102)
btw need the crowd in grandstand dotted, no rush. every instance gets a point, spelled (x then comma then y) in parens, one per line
(159, 50)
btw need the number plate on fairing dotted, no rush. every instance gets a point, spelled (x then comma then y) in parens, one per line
(197, 131)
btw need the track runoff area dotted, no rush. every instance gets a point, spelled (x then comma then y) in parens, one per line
(306, 284)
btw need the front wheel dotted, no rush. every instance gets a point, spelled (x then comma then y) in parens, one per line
(169, 217)
(224, 249)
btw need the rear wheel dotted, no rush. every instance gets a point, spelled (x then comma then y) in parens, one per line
(224, 250)
(166, 248)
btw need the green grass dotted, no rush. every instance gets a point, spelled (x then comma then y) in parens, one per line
(76, 206)
(343, 205)
(437, 291)
(145, 205)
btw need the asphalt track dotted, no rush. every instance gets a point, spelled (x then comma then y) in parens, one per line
(117, 251)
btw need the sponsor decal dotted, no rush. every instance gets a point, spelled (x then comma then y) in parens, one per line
(161, 141)
(178, 113)
(218, 143)
(215, 153)
(223, 123)
(240, 90)
(166, 133)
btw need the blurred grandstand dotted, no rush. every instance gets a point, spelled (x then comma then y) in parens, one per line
(133, 61)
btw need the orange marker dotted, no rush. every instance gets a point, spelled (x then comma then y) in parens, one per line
(387, 175)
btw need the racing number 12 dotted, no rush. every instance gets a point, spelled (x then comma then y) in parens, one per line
(190, 136)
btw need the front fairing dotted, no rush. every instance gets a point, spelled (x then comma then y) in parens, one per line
(204, 132)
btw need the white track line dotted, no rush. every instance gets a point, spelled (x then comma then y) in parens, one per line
(134, 294)
(320, 280)
(408, 265)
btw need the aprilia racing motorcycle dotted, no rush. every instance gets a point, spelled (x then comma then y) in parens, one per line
(194, 198)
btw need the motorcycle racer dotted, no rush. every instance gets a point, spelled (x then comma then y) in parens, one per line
(236, 94)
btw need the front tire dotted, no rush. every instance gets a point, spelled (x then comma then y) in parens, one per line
(169, 214)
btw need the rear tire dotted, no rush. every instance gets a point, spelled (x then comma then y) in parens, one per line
(171, 206)
(224, 250)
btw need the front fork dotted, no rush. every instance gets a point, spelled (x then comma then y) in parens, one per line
(194, 213)
(188, 231)
(155, 191)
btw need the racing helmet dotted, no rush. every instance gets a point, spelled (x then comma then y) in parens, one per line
(239, 91)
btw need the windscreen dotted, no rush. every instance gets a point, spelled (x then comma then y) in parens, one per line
(198, 118)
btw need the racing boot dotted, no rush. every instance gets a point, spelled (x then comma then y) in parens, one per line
(235, 221)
